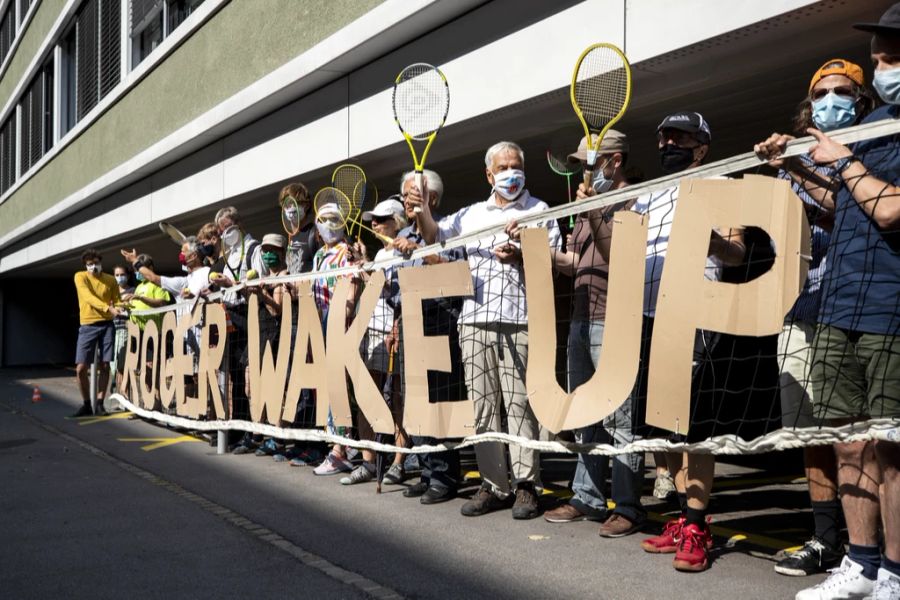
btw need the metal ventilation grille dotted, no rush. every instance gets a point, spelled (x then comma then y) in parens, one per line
(7, 154)
(87, 90)
(37, 118)
(7, 30)
(98, 52)
(110, 46)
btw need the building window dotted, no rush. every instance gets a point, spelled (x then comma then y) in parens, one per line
(36, 129)
(7, 30)
(91, 59)
(8, 153)
(152, 21)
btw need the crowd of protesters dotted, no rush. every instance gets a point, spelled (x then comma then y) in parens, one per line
(837, 360)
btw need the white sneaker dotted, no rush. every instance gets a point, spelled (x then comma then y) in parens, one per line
(887, 586)
(845, 582)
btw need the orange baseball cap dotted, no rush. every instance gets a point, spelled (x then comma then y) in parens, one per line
(839, 66)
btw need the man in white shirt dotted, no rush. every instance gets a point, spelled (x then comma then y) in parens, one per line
(493, 329)
(243, 256)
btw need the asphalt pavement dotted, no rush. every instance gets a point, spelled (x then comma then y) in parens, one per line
(118, 507)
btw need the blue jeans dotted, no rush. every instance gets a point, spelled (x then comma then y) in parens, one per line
(439, 469)
(585, 339)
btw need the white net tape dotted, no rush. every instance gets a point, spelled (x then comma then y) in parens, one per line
(781, 439)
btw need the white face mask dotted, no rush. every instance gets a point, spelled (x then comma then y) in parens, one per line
(330, 236)
(231, 237)
(94, 268)
(509, 183)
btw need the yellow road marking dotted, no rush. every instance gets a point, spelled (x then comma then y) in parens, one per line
(101, 418)
(161, 442)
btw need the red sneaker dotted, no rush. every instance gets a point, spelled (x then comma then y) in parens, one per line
(693, 548)
(667, 541)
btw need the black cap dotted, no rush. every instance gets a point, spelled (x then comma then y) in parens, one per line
(888, 24)
(692, 122)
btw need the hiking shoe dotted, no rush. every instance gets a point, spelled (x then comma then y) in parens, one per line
(846, 581)
(667, 541)
(887, 586)
(332, 465)
(483, 502)
(279, 458)
(307, 458)
(361, 474)
(617, 526)
(664, 486)
(813, 557)
(526, 504)
(567, 513)
(692, 553)
(84, 411)
(417, 490)
(436, 495)
(395, 475)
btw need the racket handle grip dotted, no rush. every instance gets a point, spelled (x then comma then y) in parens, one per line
(588, 176)
(418, 209)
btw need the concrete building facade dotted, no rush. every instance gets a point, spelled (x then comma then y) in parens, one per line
(117, 114)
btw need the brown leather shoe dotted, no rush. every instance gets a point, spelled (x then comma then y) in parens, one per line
(618, 526)
(483, 502)
(564, 514)
(526, 504)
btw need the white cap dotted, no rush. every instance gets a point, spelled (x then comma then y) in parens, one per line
(386, 208)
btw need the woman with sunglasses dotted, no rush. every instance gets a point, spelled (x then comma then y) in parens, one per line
(837, 98)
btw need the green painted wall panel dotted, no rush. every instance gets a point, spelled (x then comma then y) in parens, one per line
(38, 29)
(243, 42)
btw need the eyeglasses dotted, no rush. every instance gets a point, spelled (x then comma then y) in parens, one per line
(840, 90)
(380, 219)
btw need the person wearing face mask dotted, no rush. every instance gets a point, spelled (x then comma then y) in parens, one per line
(683, 143)
(98, 295)
(242, 255)
(334, 253)
(837, 97)
(493, 331)
(584, 262)
(855, 369)
(305, 242)
(440, 476)
(271, 297)
(146, 294)
(193, 283)
(386, 218)
(126, 290)
(211, 246)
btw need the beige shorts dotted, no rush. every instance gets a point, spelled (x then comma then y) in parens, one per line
(794, 361)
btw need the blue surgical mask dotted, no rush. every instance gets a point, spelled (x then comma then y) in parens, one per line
(887, 84)
(138, 276)
(833, 112)
(600, 182)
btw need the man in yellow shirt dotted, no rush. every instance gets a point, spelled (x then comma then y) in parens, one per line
(98, 294)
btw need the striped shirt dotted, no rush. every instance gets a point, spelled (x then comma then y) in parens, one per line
(806, 308)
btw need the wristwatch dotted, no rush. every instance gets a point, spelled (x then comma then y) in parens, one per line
(842, 163)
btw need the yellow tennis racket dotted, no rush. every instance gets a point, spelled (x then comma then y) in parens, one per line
(421, 101)
(348, 178)
(600, 92)
(333, 209)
